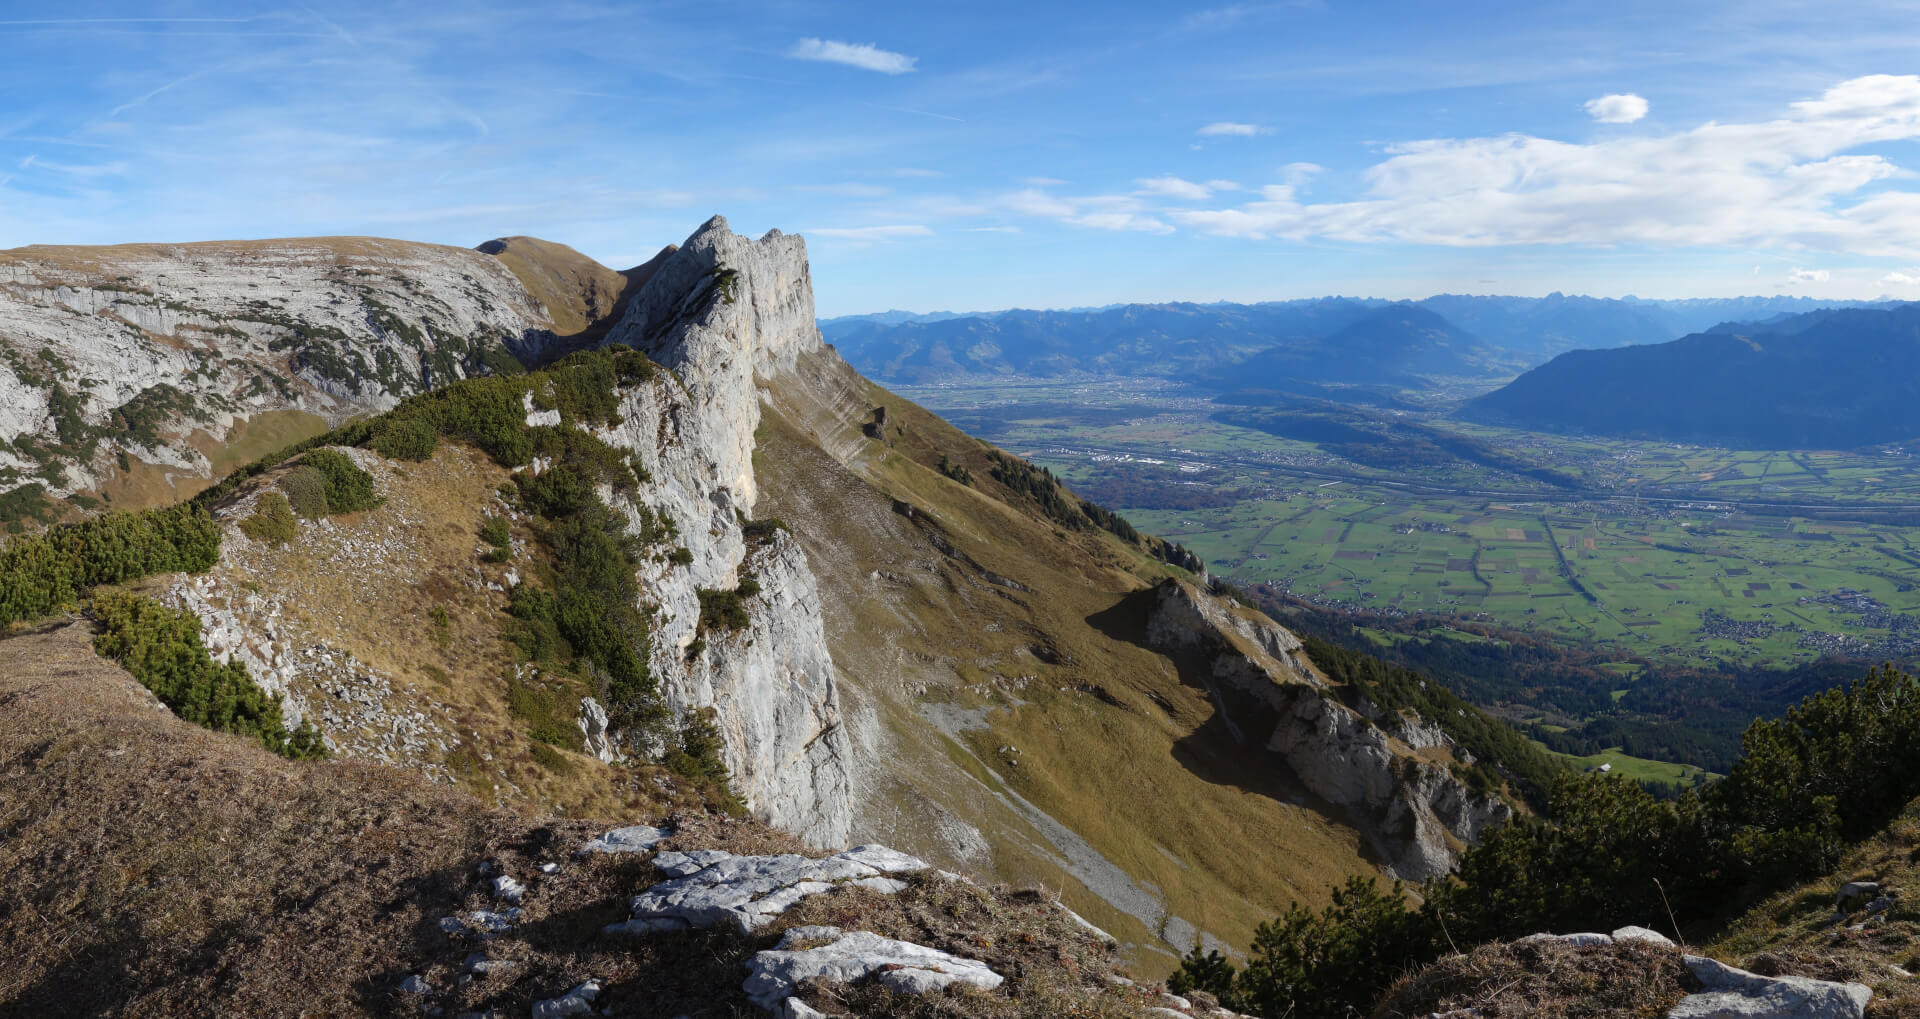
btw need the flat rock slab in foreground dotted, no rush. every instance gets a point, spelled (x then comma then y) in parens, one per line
(903, 967)
(710, 887)
(1737, 994)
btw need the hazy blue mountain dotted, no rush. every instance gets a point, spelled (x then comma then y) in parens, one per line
(1832, 378)
(1200, 342)
(1386, 345)
(1169, 340)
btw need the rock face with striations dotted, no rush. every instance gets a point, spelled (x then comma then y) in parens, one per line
(1417, 814)
(721, 313)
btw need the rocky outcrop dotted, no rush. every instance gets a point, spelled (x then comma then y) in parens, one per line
(1388, 771)
(1730, 993)
(712, 888)
(131, 347)
(720, 313)
(900, 966)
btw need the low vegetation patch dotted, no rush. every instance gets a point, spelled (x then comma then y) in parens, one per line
(272, 521)
(726, 610)
(349, 489)
(1547, 979)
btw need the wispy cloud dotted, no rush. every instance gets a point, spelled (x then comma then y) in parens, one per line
(1899, 279)
(1230, 129)
(1624, 108)
(862, 55)
(1098, 212)
(1799, 276)
(1174, 187)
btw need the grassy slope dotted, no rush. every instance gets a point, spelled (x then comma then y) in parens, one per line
(1149, 781)
(368, 583)
(1793, 932)
(157, 868)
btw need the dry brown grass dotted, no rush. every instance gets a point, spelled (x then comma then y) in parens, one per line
(1546, 980)
(369, 584)
(158, 869)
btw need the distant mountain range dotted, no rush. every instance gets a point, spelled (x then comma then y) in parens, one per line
(1330, 339)
(1832, 378)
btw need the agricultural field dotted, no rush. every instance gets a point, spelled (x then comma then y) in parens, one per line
(1678, 555)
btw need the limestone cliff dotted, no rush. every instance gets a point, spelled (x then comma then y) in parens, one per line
(130, 349)
(1389, 770)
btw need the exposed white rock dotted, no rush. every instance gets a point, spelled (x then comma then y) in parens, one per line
(507, 888)
(903, 967)
(1414, 811)
(593, 728)
(578, 1001)
(1642, 934)
(710, 888)
(1737, 994)
(639, 838)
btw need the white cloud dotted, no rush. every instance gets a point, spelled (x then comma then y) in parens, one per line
(1617, 109)
(1899, 279)
(1174, 187)
(861, 55)
(1789, 182)
(1098, 212)
(871, 234)
(1223, 185)
(1799, 276)
(991, 230)
(1043, 182)
(1296, 175)
(1229, 129)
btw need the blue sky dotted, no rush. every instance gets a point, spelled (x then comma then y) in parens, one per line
(991, 155)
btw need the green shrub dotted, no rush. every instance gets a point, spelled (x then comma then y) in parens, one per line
(495, 531)
(272, 521)
(306, 490)
(349, 489)
(761, 531)
(682, 556)
(726, 610)
(405, 437)
(162, 649)
(44, 573)
(696, 754)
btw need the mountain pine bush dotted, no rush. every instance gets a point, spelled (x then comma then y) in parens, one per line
(162, 648)
(349, 488)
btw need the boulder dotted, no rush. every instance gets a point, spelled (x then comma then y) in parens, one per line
(1642, 934)
(903, 967)
(639, 838)
(710, 888)
(578, 1001)
(1730, 993)
(1854, 891)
